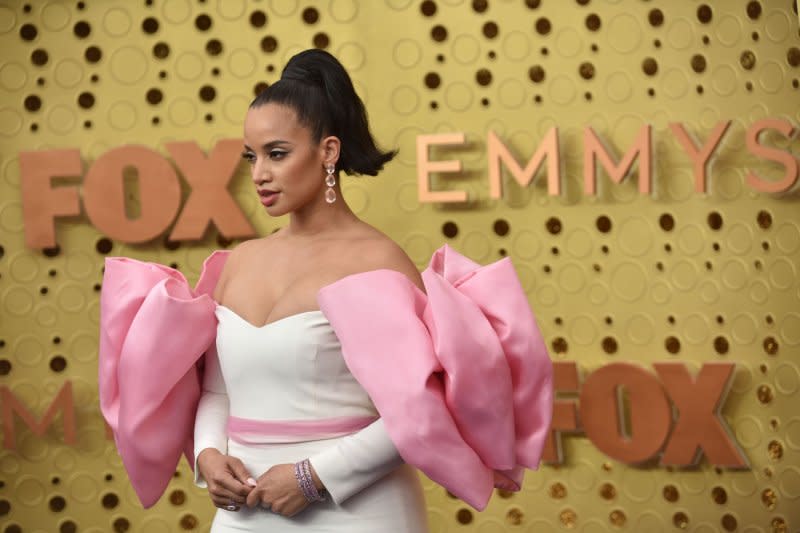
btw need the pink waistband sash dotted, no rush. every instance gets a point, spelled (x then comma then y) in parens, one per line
(249, 431)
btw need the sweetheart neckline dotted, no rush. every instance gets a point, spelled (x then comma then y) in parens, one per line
(242, 319)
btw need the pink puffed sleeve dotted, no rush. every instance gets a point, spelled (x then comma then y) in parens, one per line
(460, 375)
(153, 331)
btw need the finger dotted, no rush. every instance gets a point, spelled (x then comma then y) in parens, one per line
(266, 506)
(230, 507)
(226, 481)
(227, 504)
(253, 499)
(224, 496)
(223, 502)
(240, 473)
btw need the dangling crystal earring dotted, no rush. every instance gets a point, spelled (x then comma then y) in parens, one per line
(330, 181)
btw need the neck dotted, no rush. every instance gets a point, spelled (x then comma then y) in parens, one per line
(320, 218)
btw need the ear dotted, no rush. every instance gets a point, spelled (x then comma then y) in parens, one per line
(330, 148)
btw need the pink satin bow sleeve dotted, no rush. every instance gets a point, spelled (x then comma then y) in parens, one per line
(460, 376)
(153, 330)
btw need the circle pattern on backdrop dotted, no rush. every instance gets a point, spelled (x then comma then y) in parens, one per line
(620, 276)
(128, 65)
(12, 76)
(55, 16)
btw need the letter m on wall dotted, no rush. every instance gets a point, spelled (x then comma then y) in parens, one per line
(595, 151)
(10, 405)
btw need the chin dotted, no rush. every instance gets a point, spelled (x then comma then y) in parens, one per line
(275, 211)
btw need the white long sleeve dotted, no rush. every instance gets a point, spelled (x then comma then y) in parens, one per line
(212, 413)
(291, 369)
(349, 465)
(356, 461)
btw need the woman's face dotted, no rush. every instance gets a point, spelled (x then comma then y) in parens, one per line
(287, 166)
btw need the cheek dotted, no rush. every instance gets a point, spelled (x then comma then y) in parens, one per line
(302, 178)
(308, 173)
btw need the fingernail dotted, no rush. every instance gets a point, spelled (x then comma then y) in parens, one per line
(251, 482)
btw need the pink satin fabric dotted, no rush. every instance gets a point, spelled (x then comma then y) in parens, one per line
(153, 330)
(460, 375)
(248, 431)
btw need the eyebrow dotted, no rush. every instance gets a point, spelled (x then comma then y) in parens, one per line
(269, 145)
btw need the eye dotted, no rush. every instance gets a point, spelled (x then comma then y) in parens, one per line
(277, 155)
(250, 157)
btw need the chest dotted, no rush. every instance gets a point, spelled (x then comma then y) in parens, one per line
(279, 285)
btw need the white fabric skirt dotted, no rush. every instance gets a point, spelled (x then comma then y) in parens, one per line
(394, 503)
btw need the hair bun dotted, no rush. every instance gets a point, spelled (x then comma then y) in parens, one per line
(317, 87)
(302, 74)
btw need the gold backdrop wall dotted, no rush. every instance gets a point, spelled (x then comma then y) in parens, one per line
(675, 275)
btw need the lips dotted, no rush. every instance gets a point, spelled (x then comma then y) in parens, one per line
(268, 197)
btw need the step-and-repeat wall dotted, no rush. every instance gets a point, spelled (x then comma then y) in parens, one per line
(636, 159)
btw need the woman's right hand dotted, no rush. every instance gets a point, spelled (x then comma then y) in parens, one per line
(228, 480)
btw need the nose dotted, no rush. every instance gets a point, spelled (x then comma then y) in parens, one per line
(259, 173)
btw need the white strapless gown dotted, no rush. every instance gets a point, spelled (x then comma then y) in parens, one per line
(293, 370)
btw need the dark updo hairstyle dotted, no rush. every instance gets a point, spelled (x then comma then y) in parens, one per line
(317, 87)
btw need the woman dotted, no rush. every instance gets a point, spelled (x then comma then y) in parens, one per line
(294, 139)
(331, 365)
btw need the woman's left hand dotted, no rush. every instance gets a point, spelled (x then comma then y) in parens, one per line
(277, 489)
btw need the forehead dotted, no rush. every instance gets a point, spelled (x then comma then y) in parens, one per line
(273, 121)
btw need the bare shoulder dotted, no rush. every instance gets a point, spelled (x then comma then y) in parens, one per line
(236, 258)
(239, 253)
(380, 252)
